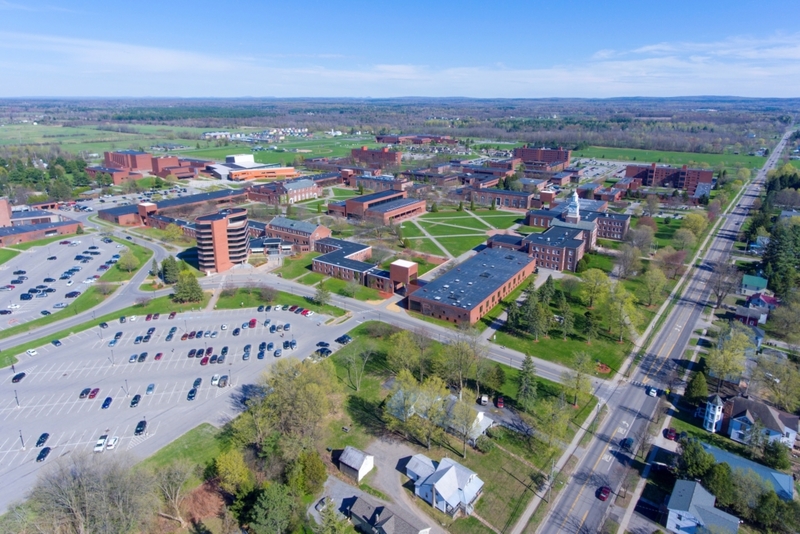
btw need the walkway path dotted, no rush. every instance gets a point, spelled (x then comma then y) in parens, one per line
(433, 239)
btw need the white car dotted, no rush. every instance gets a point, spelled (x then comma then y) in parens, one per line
(13, 306)
(223, 327)
(100, 446)
(215, 380)
(61, 305)
(652, 392)
(132, 318)
(89, 281)
(69, 283)
(111, 444)
(120, 246)
(31, 352)
(310, 313)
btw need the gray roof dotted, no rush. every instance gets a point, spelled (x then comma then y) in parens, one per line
(222, 194)
(690, 497)
(298, 184)
(421, 465)
(780, 482)
(282, 223)
(375, 196)
(768, 416)
(471, 282)
(703, 190)
(394, 204)
(581, 225)
(25, 228)
(557, 236)
(752, 313)
(353, 457)
(386, 520)
(788, 214)
(30, 214)
(339, 257)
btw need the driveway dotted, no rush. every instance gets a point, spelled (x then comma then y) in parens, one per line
(343, 495)
(390, 456)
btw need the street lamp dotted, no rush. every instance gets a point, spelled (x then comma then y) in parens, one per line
(16, 398)
(127, 391)
(22, 440)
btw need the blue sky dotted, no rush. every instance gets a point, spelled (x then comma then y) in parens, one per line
(352, 48)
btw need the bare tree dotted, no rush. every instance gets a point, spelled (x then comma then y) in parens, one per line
(170, 481)
(462, 418)
(725, 277)
(422, 339)
(357, 363)
(628, 261)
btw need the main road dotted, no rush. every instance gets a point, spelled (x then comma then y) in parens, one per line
(578, 509)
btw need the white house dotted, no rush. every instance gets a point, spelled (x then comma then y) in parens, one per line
(742, 413)
(691, 509)
(355, 463)
(449, 487)
(712, 421)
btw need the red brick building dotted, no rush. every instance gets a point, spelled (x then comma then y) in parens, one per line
(381, 157)
(223, 240)
(518, 200)
(385, 207)
(132, 160)
(543, 155)
(287, 192)
(303, 235)
(665, 176)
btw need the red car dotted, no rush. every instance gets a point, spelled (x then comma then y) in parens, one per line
(671, 434)
(192, 334)
(149, 316)
(501, 402)
(604, 493)
(209, 350)
(94, 392)
(184, 337)
(64, 243)
(156, 316)
(159, 356)
(204, 361)
(305, 313)
(253, 323)
(172, 315)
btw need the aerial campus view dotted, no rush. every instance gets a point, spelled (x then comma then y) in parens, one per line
(284, 282)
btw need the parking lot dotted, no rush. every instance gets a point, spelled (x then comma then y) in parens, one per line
(40, 270)
(47, 398)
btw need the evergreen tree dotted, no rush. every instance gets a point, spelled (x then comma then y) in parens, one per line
(567, 317)
(493, 206)
(547, 291)
(471, 205)
(169, 270)
(526, 392)
(696, 390)
(591, 326)
(434, 208)
(187, 288)
(154, 271)
(460, 206)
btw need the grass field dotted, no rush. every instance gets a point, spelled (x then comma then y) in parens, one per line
(459, 245)
(456, 225)
(448, 229)
(503, 221)
(42, 242)
(6, 254)
(673, 158)
(427, 246)
(157, 305)
(251, 298)
(364, 293)
(115, 274)
(411, 230)
(297, 265)
(201, 445)
(330, 147)
(311, 278)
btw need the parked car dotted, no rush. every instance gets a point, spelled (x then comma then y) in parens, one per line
(140, 428)
(603, 493)
(100, 446)
(43, 454)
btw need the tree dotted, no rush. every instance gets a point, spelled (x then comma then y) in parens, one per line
(622, 309)
(629, 261)
(154, 271)
(169, 270)
(781, 379)
(718, 480)
(670, 260)
(330, 522)
(422, 340)
(431, 409)
(553, 419)
(495, 378)
(471, 205)
(459, 359)
(232, 471)
(694, 461)
(696, 390)
(654, 282)
(567, 316)
(314, 472)
(640, 237)
(683, 239)
(547, 291)
(401, 403)
(357, 363)
(595, 286)
(402, 353)
(526, 384)
(725, 277)
(651, 203)
(323, 295)
(577, 381)
(128, 261)
(272, 513)
(187, 289)
(570, 286)
(173, 233)
(776, 455)
(728, 357)
(80, 230)
(747, 487)
(462, 418)
(766, 509)
(170, 481)
(434, 208)
(695, 223)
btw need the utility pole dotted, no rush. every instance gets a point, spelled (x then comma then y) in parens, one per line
(22, 440)
(552, 481)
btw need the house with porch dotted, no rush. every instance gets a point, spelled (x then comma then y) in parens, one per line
(752, 284)
(691, 510)
(447, 486)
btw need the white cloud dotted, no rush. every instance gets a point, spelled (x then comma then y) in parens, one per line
(38, 65)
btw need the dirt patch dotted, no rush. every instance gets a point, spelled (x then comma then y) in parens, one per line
(602, 368)
(204, 502)
(501, 232)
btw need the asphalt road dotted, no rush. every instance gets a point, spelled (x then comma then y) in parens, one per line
(578, 509)
(47, 399)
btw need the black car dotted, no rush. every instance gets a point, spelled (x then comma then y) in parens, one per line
(137, 340)
(213, 359)
(49, 280)
(122, 319)
(262, 345)
(151, 330)
(268, 308)
(103, 325)
(261, 308)
(169, 337)
(261, 354)
(20, 272)
(140, 428)
(135, 401)
(26, 296)
(197, 382)
(221, 359)
(142, 357)
(146, 339)
(16, 282)
(118, 336)
(106, 403)
(5, 312)
(324, 344)
(85, 393)
(192, 394)
(43, 454)
(286, 344)
(236, 331)
(42, 439)
(73, 294)
(224, 351)
(17, 377)
(56, 342)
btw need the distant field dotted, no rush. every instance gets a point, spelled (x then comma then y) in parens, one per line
(334, 147)
(674, 158)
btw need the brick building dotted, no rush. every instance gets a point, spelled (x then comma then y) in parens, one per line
(383, 182)
(25, 226)
(118, 176)
(131, 215)
(518, 200)
(666, 176)
(385, 207)
(303, 235)
(223, 240)
(542, 155)
(467, 292)
(132, 160)
(556, 248)
(287, 192)
(380, 157)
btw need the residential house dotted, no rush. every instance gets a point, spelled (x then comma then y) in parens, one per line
(782, 483)
(480, 425)
(762, 300)
(742, 413)
(355, 463)
(753, 284)
(712, 418)
(751, 316)
(450, 488)
(372, 518)
(404, 404)
(691, 510)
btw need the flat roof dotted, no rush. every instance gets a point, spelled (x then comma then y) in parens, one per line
(403, 263)
(101, 168)
(556, 236)
(25, 228)
(473, 281)
(506, 192)
(175, 202)
(30, 214)
(282, 223)
(339, 257)
(395, 204)
(375, 196)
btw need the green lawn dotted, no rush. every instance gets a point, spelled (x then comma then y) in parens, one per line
(7, 254)
(525, 230)
(422, 265)
(45, 241)
(297, 265)
(157, 305)
(502, 222)
(311, 278)
(411, 230)
(201, 445)
(665, 231)
(364, 293)
(156, 233)
(672, 158)
(251, 298)
(427, 246)
(458, 245)
(115, 274)
(461, 225)
(598, 261)
(445, 215)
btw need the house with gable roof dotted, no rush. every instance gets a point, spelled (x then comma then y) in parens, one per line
(782, 483)
(447, 486)
(742, 413)
(373, 518)
(691, 510)
(355, 463)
